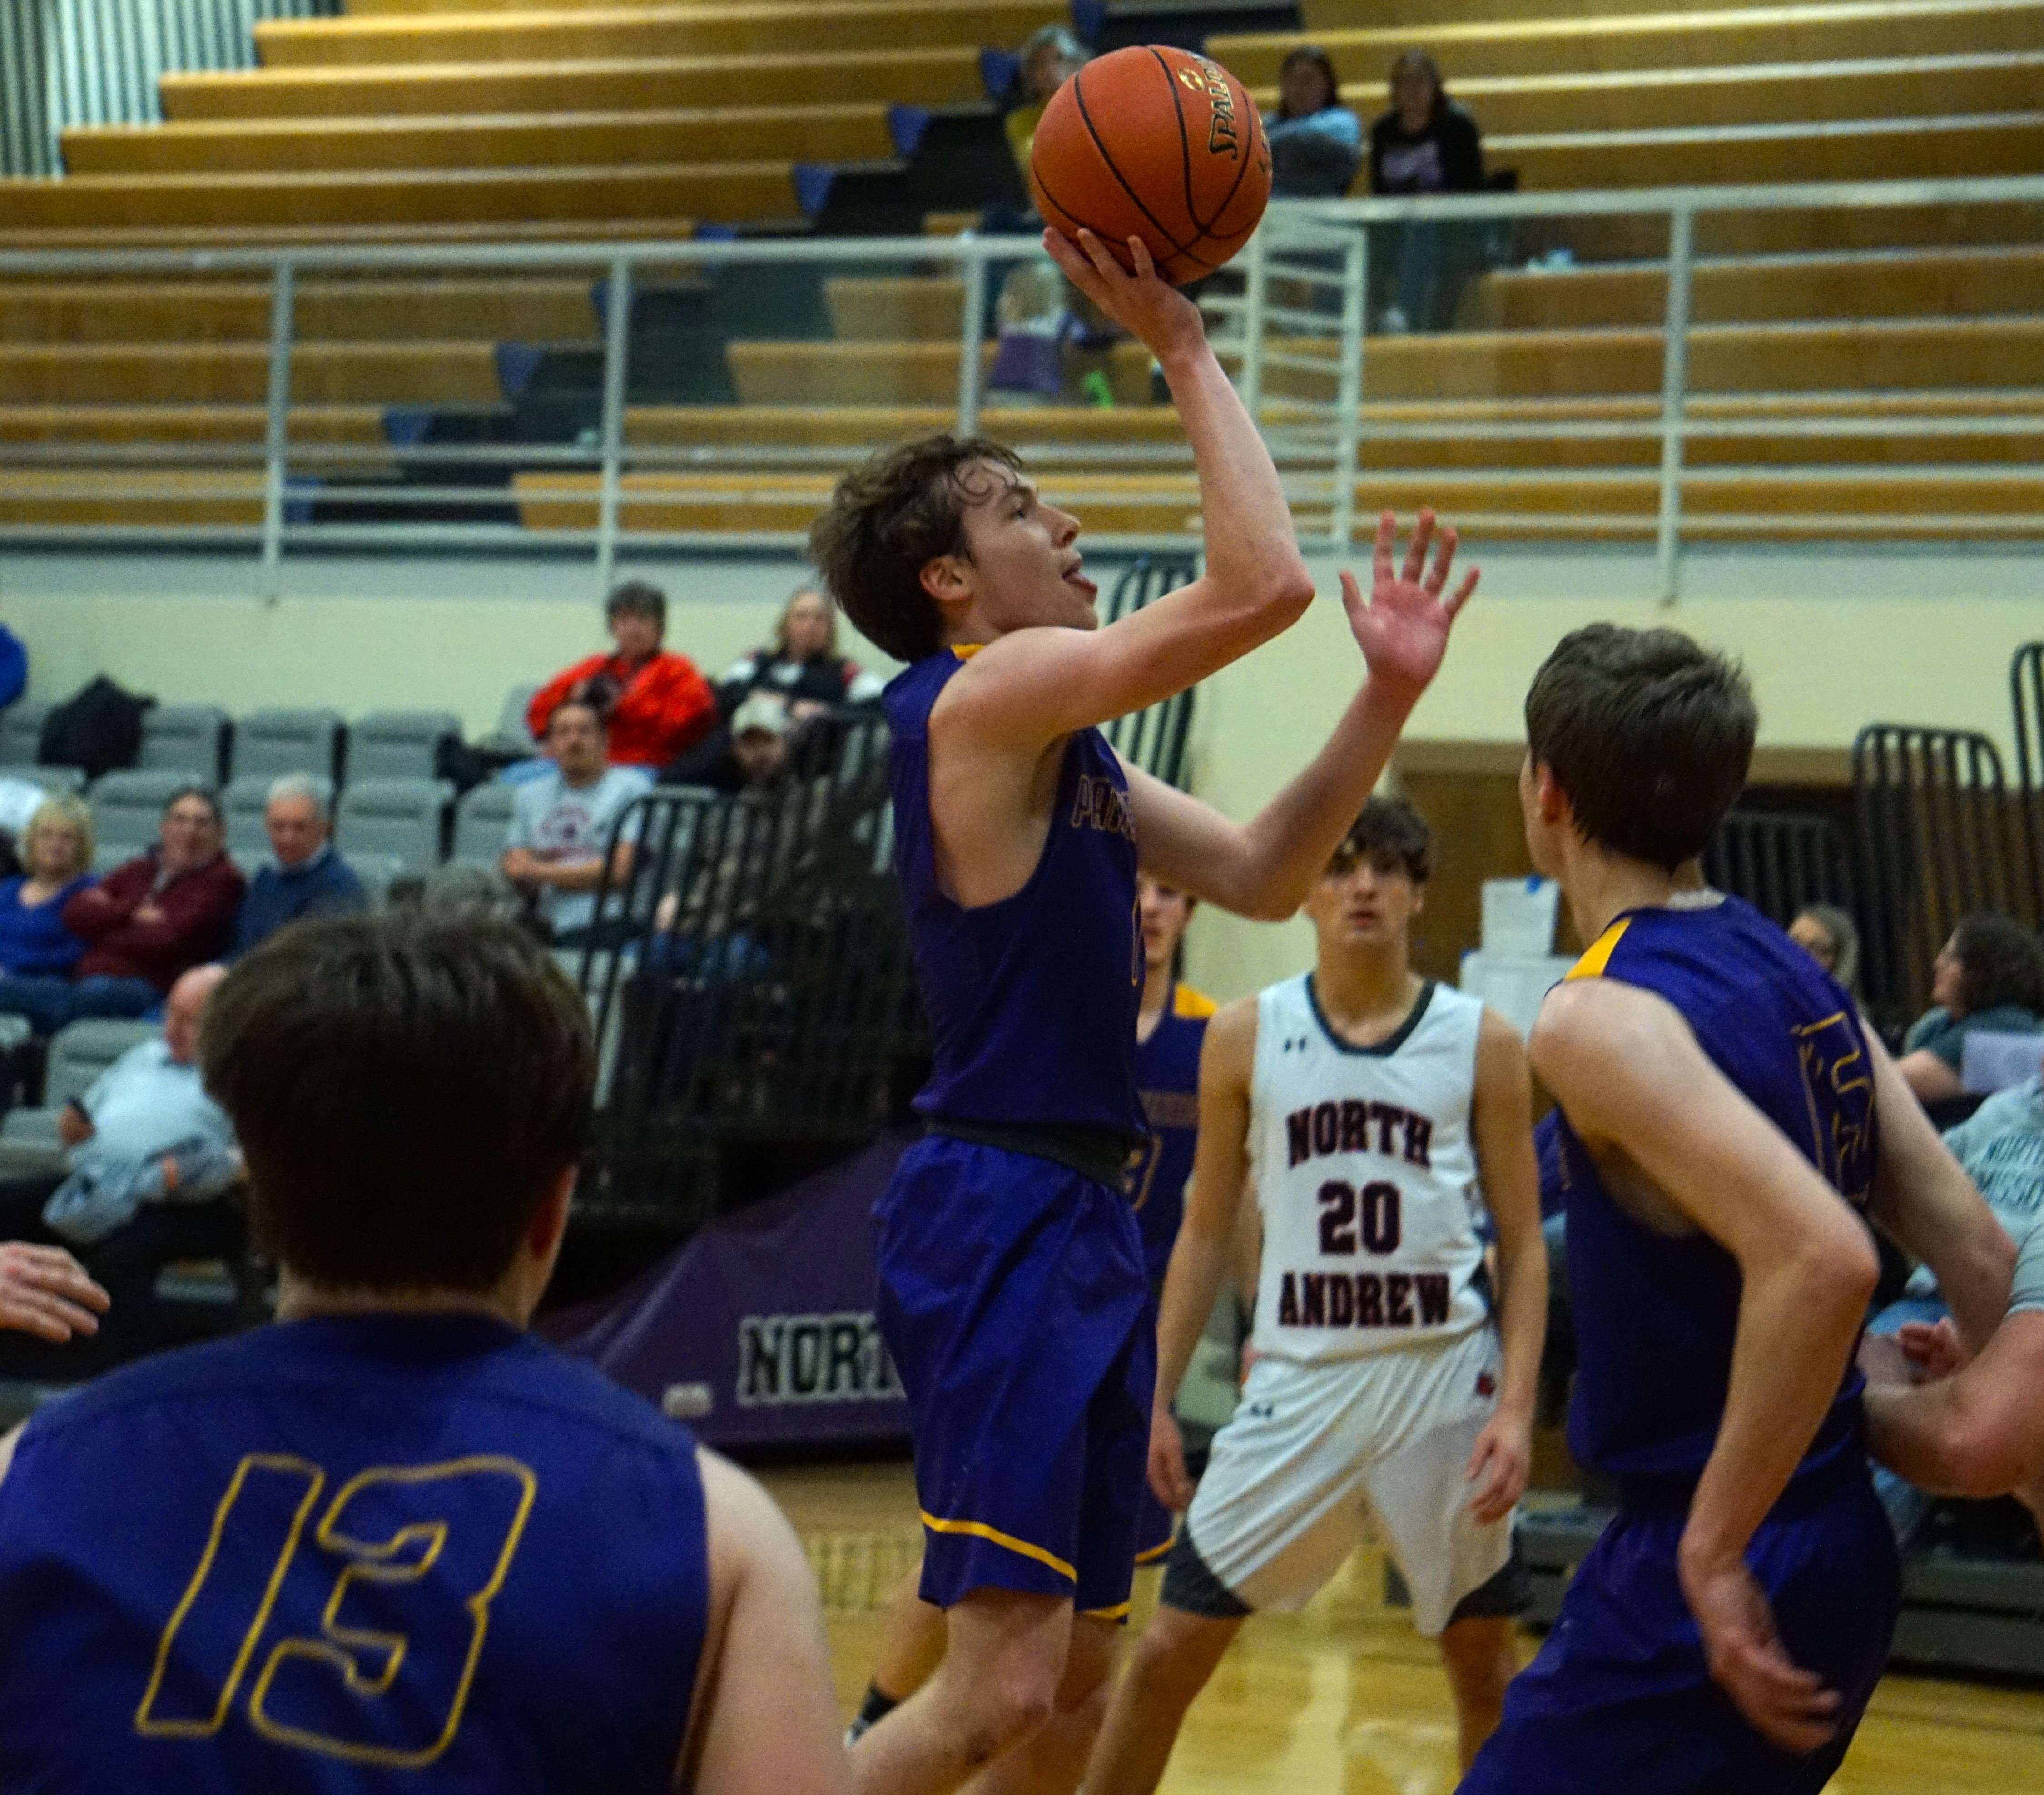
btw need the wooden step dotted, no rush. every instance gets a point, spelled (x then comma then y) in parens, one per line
(1571, 45)
(204, 238)
(839, 133)
(189, 425)
(896, 308)
(1322, 18)
(540, 309)
(1786, 231)
(420, 9)
(418, 373)
(1871, 149)
(130, 499)
(945, 75)
(771, 373)
(1768, 94)
(1940, 284)
(733, 193)
(576, 33)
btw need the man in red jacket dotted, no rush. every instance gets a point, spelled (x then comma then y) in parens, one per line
(156, 916)
(654, 701)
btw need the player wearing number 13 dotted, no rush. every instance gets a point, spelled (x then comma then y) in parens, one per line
(392, 1541)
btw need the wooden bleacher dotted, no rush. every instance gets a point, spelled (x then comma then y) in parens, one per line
(454, 120)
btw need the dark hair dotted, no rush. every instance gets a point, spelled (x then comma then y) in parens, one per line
(591, 699)
(1313, 54)
(2000, 963)
(638, 599)
(886, 521)
(1389, 833)
(405, 1090)
(204, 794)
(1648, 735)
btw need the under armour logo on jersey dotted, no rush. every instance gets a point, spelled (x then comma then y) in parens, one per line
(1261, 1411)
(1297, 1044)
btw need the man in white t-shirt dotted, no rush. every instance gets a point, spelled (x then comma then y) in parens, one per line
(560, 822)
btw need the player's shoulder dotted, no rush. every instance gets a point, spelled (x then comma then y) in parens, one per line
(1231, 1033)
(1189, 1005)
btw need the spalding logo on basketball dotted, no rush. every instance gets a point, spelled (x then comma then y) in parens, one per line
(1157, 142)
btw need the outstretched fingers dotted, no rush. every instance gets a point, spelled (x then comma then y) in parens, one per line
(1383, 566)
(1460, 597)
(1415, 556)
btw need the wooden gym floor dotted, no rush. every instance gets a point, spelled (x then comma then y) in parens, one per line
(1344, 1697)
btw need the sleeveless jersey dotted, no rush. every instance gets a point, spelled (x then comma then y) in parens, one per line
(351, 1554)
(1655, 1314)
(1367, 1178)
(1167, 1078)
(1031, 1001)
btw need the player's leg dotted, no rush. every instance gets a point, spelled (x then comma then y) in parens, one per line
(1480, 1655)
(912, 1643)
(998, 1683)
(1050, 1760)
(1171, 1663)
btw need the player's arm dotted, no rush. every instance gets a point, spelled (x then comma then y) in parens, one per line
(1204, 1251)
(1501, 1123)
(1923, 1198)
(764, 1719)
(1264, 867)
(1980, 1432)
(1632, 1078)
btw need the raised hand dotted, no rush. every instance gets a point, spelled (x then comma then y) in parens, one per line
(45, 1292)
(1144, 304)
(1788, 1706)
(1402, 628)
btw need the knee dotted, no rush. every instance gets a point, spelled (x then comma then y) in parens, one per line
(1164, 1668)
(1003, 1708)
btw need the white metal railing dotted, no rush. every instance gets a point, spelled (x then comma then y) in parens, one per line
(1291, 319)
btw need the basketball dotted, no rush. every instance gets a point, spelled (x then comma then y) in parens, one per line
(1157, 142)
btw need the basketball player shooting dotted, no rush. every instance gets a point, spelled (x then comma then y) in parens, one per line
(1012, 1294)
(1729, 1126)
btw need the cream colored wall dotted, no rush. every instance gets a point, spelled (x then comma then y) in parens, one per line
(1832, 641)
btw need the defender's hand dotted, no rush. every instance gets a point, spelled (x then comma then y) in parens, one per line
(1144, 304)
(1934, 1347)
(1403, 627)
(1789, 1707)
(45, 1292)
(1503, 1458)
(1168, 1478)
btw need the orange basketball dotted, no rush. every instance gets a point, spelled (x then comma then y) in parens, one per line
(1155, 142)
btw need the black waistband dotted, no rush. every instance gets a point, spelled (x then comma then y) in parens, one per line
(1102, 1154)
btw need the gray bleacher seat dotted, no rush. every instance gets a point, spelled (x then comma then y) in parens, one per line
(127, 809)
(511, 736)
(21, 732)
(271, 742)
(481, 820)
(399, 745)
(187, 739)
(244, 801)
(55, 780)
(376, 871)
(403, 817)
(108, 855)
(78, 1053)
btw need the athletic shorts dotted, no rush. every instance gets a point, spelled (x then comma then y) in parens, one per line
(1618, 1699)
(1154, 1523)
(1013, 1300)
(1283, 1500)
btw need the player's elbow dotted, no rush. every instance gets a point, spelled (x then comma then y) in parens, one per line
(1838, 1268)
(1978, 1458)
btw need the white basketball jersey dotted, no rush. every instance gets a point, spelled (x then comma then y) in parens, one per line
(1367, 1178)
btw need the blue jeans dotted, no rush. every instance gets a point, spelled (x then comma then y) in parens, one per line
(49, 1002)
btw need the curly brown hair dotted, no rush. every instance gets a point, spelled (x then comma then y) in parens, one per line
(886, 521)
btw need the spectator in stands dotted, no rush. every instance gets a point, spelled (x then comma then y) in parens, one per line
(560, 822)
(1425, 143)
(654, 701)
(1047, 58)
(309, 878)
(1988, 977)
(1316, 141)
(1830, 938)
(150, 919)
(56, 847)
(151, 1160)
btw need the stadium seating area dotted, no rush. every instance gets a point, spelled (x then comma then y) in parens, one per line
(461, 121)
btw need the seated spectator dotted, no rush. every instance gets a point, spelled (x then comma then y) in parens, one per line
(1047, 59)
(1316, 141)
(560, 822)
(150, 1159)
(56, 847)
(1989, 976)
(150, 919)
(750, 755)
(309, 878)
(1425, 143)
(650, 1620)
(1830, 938)
(655, 702)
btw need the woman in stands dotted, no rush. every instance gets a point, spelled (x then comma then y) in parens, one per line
(1316, 141)
(801, 665)
(1989, 977)
(37, 953)
(1830, 938)
(1424, 143)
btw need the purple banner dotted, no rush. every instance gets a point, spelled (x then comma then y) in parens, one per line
(759, 1331)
